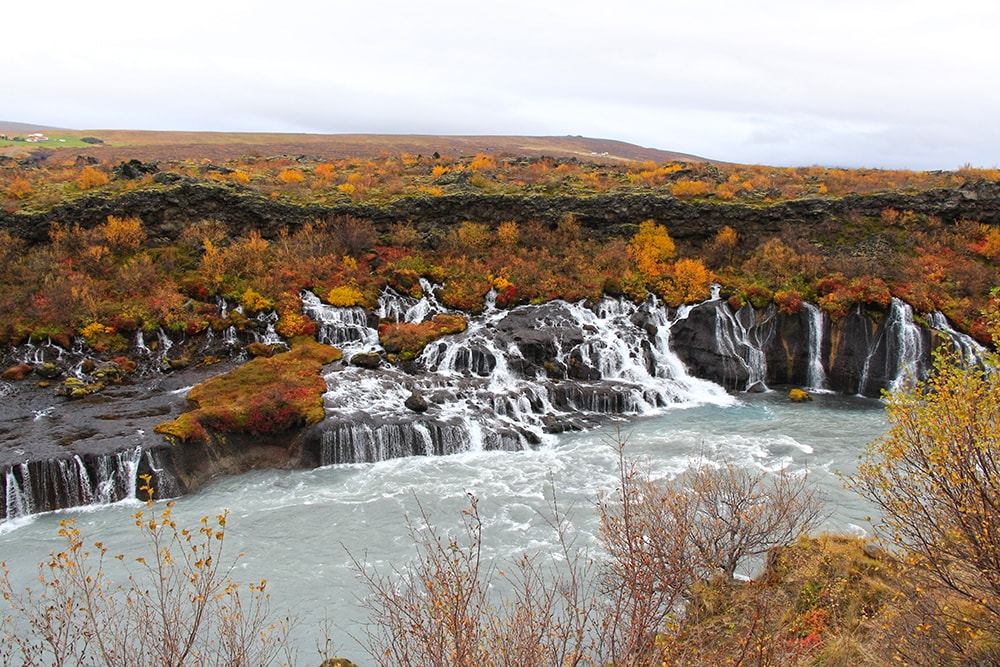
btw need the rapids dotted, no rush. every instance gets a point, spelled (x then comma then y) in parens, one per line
(298, 529)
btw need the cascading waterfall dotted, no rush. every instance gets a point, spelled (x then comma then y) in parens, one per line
(52, 484)
(117, 475)
(510, 381)
(18, 503)
(739, 342)
(816, 378)
(267, 320)
(969, 351)
(505, 382)
(898, 354)
(398, 308)
(341, 327)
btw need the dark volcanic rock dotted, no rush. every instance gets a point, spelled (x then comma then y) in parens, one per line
(366, 360)
(165, 212)
(416, 402)
(134, 169)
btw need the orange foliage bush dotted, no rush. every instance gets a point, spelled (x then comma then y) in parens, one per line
(686, 189)
(651, 249)
(688, 282)
(91, 178)
(19, 188)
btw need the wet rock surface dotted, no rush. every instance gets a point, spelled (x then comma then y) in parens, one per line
(35, 423)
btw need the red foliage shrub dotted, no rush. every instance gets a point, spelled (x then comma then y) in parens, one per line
(408, 340)
(789, 301)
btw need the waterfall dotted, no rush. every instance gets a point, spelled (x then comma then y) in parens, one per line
(339, 326)
(739, 342)
(117, 476)
(50, 484)
(18, 503)
(140, 344)
(399, 308)
(506, 382)
(908, 342)
(898, 355)
(270, 335)
(75, 481)
(816, 377)
(969, 351)
(164, 341)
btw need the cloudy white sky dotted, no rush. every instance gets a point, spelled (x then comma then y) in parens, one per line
(860, 83)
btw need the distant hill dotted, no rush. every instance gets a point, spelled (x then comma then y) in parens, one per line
(10, 127)
(160, 145)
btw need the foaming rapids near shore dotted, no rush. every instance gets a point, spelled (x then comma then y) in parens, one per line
(298, 529)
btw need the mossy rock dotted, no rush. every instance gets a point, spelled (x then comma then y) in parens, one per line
(267, 395)
(49, 370)
(799, 395)
(369, 360)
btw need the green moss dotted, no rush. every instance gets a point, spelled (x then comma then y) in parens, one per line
(267, 395)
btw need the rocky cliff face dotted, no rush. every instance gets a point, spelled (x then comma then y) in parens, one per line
(167, 209)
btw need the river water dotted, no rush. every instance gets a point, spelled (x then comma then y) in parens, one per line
(300, 529)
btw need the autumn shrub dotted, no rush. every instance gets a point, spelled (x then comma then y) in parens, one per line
(19, 188)
(267, 395)
(173, 601)
(651, 248)
(408, 339)
(466, 287)
(291, 176)
(91, 178)
(440, 611)
(688, 281)
(935, 476)
(292, 324)
(351, 236)
(789, 301)
(823, 600)
(404, 235)
(687, 189)
(469, 238)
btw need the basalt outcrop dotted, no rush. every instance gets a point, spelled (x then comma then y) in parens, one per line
(166, 208)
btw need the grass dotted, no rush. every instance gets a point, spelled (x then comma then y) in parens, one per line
(55, 141)
(820, 601)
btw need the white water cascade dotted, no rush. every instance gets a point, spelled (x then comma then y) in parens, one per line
(507, 382)
(739, 341)
(969, 351)
(816, 377)
(116, 475)
(18, 502)
(898, 353)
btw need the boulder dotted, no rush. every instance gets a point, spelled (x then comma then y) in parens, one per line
(416, 402)
(49, 370)
(368, 360)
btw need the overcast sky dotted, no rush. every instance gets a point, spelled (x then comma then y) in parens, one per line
(859, 83)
